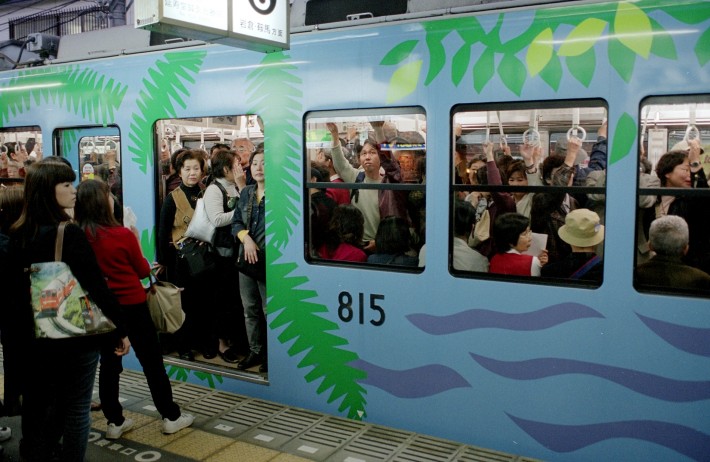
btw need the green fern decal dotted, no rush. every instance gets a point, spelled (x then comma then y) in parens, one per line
(275, 96)
(630, 32)
(164, 86)
(77, 88)
(69, 139)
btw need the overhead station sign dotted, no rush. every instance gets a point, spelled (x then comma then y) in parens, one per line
(261, 25)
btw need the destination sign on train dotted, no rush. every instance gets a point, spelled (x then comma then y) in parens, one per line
(260, 25)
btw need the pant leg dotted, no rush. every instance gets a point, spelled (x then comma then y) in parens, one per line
(144, 340)
(253, 295)
(229, 320)
(109, 375)
(76, 403)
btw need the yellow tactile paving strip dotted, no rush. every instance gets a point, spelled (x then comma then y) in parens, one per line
(198, 445)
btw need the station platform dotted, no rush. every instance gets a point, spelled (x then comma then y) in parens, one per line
(236, 428)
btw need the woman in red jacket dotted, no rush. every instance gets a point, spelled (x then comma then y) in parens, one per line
(123, 265)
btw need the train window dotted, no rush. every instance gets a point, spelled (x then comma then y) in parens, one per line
(95, 153)
(673, 200)
(364, 187)
(19, 147)
(528, 191)
(214, 153)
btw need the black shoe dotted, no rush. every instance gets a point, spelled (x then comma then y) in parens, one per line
(187, 356)
(264, 367)
(229, 356)
(210, 353)
(251, 360)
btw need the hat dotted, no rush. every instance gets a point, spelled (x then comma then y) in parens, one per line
(561, 148)
(582, 228)
(683, 146)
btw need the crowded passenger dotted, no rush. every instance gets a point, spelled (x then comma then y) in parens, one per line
(56, 402)
(392, 244)
(244, 149)
(123, 266)
(513, 237)
(374, 204)
(175, 215)
(321, 208)
(226, 335)
(682, 169)
(249, 227)
(464, 257)
(344, 238)
(669, 240)
(325, 160)
(583, 231)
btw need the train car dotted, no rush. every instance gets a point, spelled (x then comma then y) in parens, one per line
(556, 368)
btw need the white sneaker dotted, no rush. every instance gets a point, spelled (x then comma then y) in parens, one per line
(174, 426)
(114, 432)
(5, 433)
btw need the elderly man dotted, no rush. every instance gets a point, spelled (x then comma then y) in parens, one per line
(243, 147)
(668, 238)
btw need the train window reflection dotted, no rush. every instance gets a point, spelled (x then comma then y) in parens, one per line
(365, 176)
(673, 231)
(19, 147)
(528, 191)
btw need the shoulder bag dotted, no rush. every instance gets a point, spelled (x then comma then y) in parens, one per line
(165, 305)
(200, 227)
(61, 308)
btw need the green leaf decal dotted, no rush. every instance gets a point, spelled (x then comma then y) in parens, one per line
(582, 66)
(698, 13)
(702, 48)
(404, 81)
(437, 53)
(622, 59)
(583, 37)
(166, 84)
(76, 88)
(663, 44)
(147, 242)
(399, 53)
(552, 74)
(633, 28)
(512, 72)
(540, 52)
(275, 94)
(484, 69)
(459, 64)
(624, 136)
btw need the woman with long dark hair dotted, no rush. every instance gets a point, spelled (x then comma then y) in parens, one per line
(57, 398)
(123, 265)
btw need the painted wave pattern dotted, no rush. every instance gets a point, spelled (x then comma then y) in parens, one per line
(568, 438)
(435, 378)
(544, 318)
(412, 383)
(692, 340)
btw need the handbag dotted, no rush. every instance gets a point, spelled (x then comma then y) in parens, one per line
(198, 255)
(61, 308)
(253, 270)
(200, 227)
(165, 305)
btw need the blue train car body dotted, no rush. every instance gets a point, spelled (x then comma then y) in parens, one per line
(552, 372)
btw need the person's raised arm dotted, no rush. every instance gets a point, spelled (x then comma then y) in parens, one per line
(346, 171)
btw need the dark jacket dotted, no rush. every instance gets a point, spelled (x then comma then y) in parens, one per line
(663, 272)
(256, 224)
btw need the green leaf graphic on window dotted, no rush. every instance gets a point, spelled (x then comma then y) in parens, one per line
(484, 69)
(437, 54)
(583, 37)
(622, 59)
(459, 64)
(540, 52)
(624, 136)
(552, 74)
(404, 81)
(512, 72)
(702, 48)
(663, 45)
(582, 66)
(399, 53)
(633, 28)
